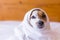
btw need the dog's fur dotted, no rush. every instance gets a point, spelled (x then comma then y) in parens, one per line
(29, 28)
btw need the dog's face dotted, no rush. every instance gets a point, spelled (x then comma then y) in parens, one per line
(38, 19)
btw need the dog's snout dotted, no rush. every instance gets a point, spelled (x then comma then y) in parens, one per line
(41, 23)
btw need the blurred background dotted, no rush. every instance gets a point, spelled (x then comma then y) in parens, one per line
(16, 9)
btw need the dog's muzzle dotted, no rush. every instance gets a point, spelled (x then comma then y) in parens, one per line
(40, 24)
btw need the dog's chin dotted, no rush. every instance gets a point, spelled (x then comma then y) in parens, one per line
(38, 28)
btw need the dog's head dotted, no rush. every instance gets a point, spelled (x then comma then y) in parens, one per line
(37, 19)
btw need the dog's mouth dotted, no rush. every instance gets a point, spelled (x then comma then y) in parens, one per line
(39, 26)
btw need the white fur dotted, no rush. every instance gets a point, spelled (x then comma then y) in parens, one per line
(26, 32)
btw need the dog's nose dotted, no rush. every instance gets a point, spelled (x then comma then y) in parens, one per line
(41, 23)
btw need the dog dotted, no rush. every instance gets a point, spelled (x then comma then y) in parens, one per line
(35, 26)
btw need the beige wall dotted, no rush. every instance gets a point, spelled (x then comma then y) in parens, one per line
(16, 9)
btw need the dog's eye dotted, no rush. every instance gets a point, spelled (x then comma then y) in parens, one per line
(33, 17)
(43, 15)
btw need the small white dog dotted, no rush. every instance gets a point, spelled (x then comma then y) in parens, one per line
(35, 26)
